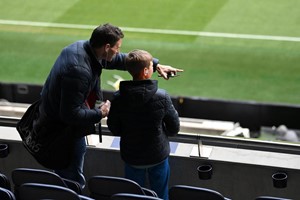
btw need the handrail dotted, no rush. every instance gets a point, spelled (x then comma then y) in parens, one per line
(211, 140)
(9, 121)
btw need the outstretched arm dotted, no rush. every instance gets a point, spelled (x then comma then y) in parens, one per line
(167, 71)
(164, 71)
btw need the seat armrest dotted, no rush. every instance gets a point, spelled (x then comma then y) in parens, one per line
(73, 185)
(149, 192)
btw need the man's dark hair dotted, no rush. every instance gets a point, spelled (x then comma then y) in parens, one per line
(105, 34)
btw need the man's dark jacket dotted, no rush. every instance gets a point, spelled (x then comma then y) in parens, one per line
(75, 74)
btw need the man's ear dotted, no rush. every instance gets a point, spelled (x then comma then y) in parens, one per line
(107, 46)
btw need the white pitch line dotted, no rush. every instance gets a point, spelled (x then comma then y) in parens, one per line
(158, 31)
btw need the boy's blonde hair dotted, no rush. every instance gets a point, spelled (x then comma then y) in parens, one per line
(136, 61)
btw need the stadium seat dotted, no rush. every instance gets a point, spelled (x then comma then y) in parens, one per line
(37, 191)
(29, 175)
(127, 196)
(6, 194)
(103, 187)
(270, 198)
(184, 192)
(4, 182)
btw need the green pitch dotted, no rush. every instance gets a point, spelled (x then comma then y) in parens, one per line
(238, 68)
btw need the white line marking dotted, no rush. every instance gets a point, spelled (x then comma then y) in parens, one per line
(158, 31)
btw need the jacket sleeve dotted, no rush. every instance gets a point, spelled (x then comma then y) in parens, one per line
(171, 119)
(74, 88)
(113, 119)
(118, 62)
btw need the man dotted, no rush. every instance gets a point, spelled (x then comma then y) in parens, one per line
(70, 91)
(144, 116)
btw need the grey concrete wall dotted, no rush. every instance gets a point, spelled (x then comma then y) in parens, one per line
(234, 180)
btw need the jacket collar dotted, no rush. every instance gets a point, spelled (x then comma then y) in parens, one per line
(88, 48)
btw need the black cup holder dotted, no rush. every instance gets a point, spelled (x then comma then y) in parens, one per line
(4, 150)
(205, 172)
(279, 179)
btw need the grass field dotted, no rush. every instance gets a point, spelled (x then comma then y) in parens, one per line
(236, 68)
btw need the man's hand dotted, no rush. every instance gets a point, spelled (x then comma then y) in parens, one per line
(105, 107)
(167, 71)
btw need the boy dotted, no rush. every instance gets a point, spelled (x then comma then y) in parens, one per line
(144, 116)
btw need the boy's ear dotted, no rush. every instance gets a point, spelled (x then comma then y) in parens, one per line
(146, 70)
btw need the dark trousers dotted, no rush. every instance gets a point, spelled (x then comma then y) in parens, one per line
(158, 176)
(75, 169)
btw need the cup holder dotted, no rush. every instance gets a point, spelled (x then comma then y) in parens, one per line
(205, 172)
(280, 179)
(3, 150)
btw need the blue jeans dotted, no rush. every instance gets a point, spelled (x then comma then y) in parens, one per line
(158, 176)
(75, 170)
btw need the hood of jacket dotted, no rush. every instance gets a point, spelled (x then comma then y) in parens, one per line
(137, 93)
